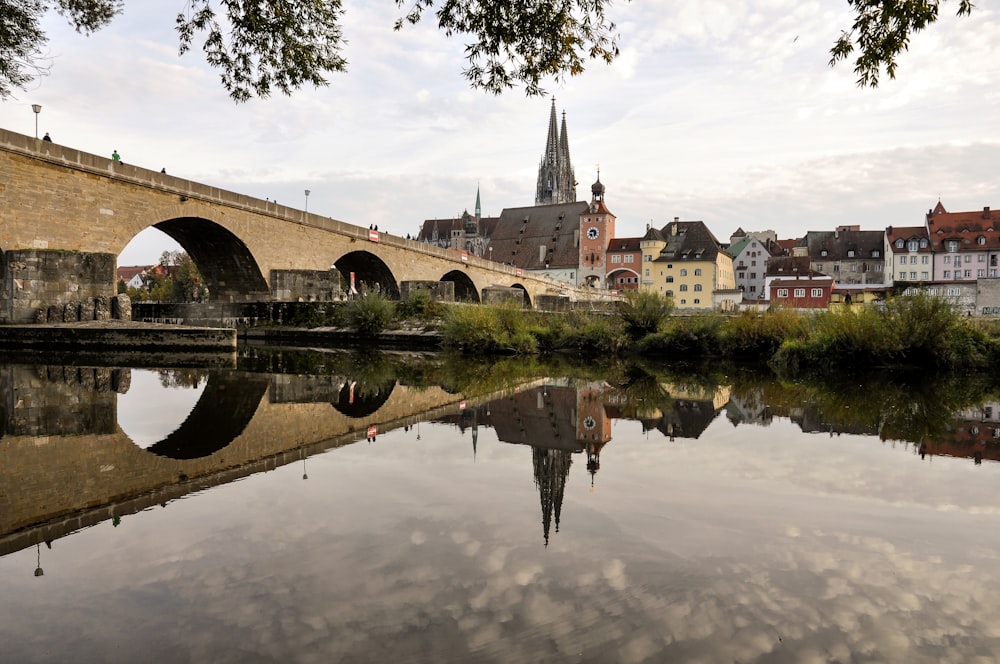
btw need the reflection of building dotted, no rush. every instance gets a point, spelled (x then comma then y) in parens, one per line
(556, 421)
(692, 408)
(551, 470)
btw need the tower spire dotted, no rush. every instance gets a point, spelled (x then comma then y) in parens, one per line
(479, 212)
(556, 180)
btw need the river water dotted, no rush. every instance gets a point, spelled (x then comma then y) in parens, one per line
(329, 507)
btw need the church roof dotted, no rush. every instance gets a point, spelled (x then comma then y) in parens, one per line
(521, 233)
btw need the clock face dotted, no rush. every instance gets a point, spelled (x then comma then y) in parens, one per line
(592, 233)
(589, 423)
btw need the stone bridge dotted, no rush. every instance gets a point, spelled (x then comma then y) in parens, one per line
(65, 215)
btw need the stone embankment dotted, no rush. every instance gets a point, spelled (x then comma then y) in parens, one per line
(116, 335)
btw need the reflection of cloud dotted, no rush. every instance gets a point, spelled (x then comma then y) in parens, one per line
(386, 563)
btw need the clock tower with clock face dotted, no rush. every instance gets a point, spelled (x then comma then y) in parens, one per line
(597, 228)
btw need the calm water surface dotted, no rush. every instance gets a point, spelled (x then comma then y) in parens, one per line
(380, 518)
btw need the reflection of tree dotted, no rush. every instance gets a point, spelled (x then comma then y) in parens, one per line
(551, 471)
(182, 377)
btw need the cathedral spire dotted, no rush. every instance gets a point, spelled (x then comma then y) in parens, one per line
(479, 212)
(556, 180)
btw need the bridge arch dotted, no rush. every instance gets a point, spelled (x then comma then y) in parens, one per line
(465, 288)
(361, 398)
(370, 269)
(614, 278)
(527, 295)
(230, 270)
(228, 403)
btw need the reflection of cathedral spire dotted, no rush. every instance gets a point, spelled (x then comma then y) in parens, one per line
(551, 471)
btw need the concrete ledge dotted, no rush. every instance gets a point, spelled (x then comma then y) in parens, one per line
(117, 336)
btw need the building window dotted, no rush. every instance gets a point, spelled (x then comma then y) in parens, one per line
(951, 245)
(981, 273)
(697, 287)
(982, 258)
(697, 272)
(912, 245)
(684, 301)
(902, 260)
(968, 258)
(947, 274)
(850, 253)
(800, 292)
(876, 253)
(684, 288)
(753, 289)
(819, 267)
(817, 292)
(697, 301)
(913, 276)
(628, 258)
(684, 272)
(753, 275)
(647, 271)
(899, 243)
(923, 260)
(670, 280)
(968, 274)
(923, 275)
(616, 259)
(782, 292)
(981, 240)
(947, 260)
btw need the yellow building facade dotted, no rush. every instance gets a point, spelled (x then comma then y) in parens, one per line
(684, 261)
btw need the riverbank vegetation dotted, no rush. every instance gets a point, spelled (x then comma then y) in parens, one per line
(919, 331)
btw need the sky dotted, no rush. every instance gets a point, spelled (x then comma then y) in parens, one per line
(723, 112)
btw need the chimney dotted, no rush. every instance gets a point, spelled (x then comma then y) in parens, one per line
(986, 212)
(888, 231)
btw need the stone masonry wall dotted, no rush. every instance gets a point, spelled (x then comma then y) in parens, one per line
(52, 285)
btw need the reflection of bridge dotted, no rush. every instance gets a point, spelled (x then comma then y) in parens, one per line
(65, 215)
(55, 480)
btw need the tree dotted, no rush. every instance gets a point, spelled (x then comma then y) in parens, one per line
(882, 30)
(260, 46)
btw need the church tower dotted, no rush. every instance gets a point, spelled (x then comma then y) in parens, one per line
(597, 228)
(556, 180)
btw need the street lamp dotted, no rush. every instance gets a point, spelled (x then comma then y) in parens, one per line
(491, 253)
(37, 108)
(307, 199)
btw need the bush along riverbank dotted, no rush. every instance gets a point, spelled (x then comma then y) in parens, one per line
(912, 331)
(917, 331)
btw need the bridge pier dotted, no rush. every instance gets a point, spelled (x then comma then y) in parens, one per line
(37, 280)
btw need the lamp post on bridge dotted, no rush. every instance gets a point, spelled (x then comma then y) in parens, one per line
(37, 108)
(307, 199)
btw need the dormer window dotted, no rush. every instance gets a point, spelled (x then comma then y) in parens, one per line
(876, 253)
(981, 240)
(899, 243)
(850, 253)
(913, 245)
(824, 252)
(923, 243)
(951, 245)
